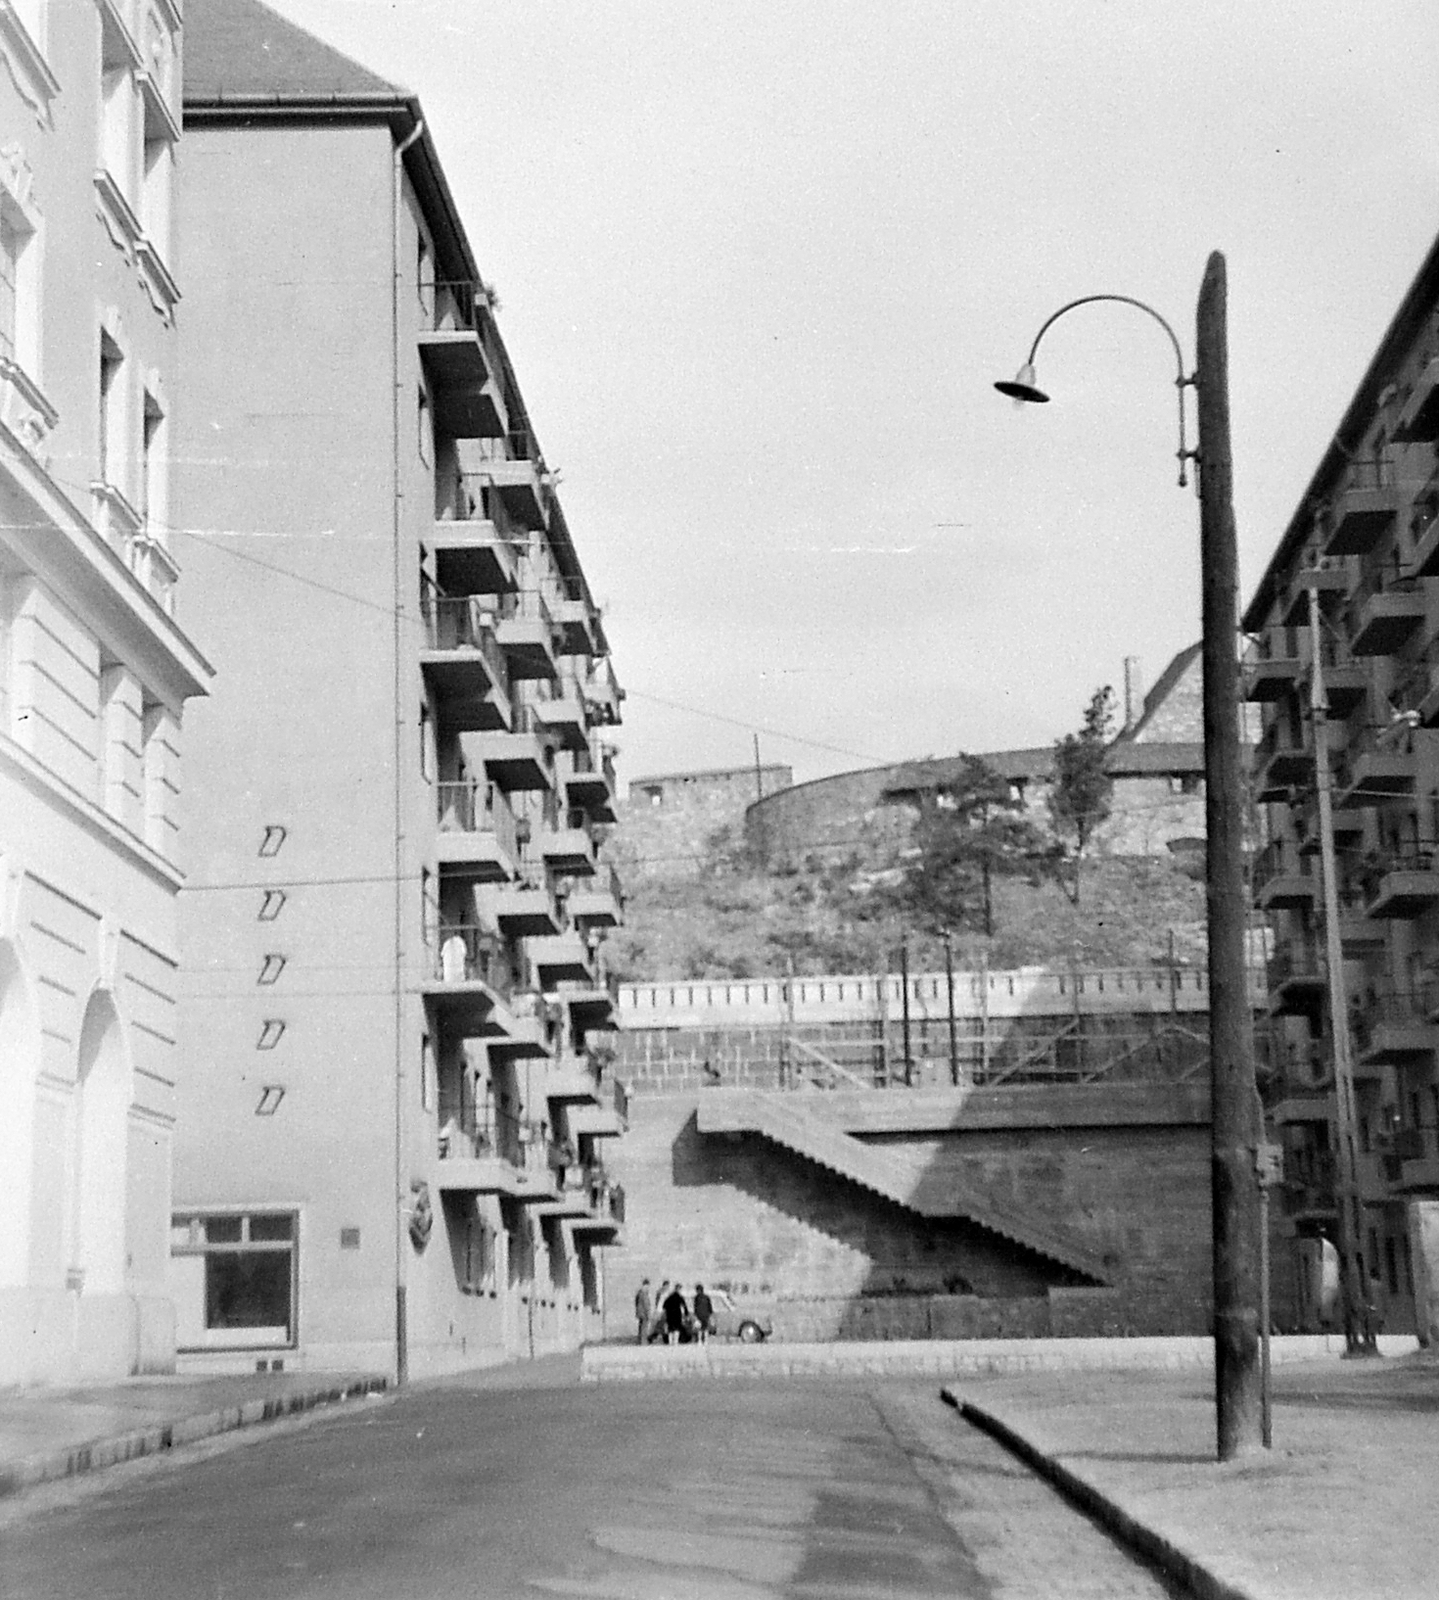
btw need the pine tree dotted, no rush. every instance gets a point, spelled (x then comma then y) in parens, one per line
(1079, 801)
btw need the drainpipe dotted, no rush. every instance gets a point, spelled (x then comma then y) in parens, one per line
(403, 1199)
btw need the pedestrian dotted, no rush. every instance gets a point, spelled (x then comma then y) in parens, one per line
(657, 1317)
(644, 1310)
(704, 1311)
(676, 1311)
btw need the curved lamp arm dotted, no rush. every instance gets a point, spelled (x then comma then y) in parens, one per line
(1023, 388)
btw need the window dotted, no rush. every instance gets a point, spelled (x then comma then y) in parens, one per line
(118, 121)
(19, 266)
(425, 432)
(10, 248)
(112, 411)
(152, 464)
(235, 1278)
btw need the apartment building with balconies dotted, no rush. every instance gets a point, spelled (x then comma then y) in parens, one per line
(393, 1154)
(1352, 595)
(95, 671)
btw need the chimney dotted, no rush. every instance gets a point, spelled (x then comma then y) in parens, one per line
(1133, 692)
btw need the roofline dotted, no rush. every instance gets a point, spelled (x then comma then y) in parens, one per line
(1393, 347)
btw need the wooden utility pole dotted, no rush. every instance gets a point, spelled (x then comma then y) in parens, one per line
(1237, 1134)
(1346, 1157)
(904, 999)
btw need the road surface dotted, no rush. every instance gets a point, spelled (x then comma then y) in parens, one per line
(662, 1491)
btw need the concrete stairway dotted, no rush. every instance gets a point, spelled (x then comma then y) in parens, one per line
(793, 1121)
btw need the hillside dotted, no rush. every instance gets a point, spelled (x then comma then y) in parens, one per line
(735, 920)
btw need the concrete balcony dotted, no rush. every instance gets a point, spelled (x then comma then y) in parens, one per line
(1359, 934)
(1308, 1109)
(463, 667)
(476, 836)
(562, 958)
(519, 760)
(1393, 1029)
(599, 904)
(593, 1003)
(570, 851)
(608, 1118)
(578, 620)
(1418, 421)
(1346, 681)
(1282, 762)
(564, 716)
(1327, 577)
(1378, 770)
(525, 632)
(1297, 981)
(465, 984)
(604, 1222)
(1271, 666)
(1403, 885)
(452, 352)
(1281, 882)
(1424, 529)
(1365, 512)
(590, 784)
(574, 1081)
(472, 557)
(526, 909)
(1417, 1152)
(526, 1031)
(482, 1155)
(1383, 620)
(512, 468)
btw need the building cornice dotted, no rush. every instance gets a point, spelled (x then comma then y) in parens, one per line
(18, 763)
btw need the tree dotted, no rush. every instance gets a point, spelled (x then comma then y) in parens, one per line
(969, 832)
(1079, 800)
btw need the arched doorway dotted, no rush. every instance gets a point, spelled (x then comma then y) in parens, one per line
(19, 1066)
(101, 1134)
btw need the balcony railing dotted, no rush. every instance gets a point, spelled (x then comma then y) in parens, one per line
(485, 1130)
(528, 605)
(517, 445)
(451, 305)
(469, 806)
(467, 953)
(461, 622)
(1394, 1009)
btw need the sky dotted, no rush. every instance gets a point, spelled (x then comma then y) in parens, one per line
(760, 264)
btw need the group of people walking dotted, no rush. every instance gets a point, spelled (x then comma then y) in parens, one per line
(668, 1318)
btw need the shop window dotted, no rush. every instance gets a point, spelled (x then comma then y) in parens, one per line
(235, 1279)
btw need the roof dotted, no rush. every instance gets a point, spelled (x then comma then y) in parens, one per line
(240, 49)
(1014, 765)
(1164, 686)
(1124, 759)
(1383, 368)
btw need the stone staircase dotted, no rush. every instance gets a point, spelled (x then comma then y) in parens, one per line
(791, 1120)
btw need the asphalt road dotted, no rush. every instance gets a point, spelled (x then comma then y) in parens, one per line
(663, 1491)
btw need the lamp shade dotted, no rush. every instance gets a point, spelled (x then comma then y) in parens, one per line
(1022, 388)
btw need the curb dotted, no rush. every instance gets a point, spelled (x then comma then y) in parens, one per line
(1160, 1552)
(159, 1437)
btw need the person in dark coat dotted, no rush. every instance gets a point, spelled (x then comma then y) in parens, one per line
(644, 1309)
(704, 1313)
(676, 1313)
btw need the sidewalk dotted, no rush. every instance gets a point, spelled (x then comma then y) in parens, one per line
(1341, 1509)
(55, 1433)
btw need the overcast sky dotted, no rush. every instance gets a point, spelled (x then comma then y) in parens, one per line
(760, 264)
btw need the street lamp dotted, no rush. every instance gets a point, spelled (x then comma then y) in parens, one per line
(1237, 1120)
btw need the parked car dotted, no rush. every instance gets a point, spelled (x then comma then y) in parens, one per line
(730, 1321)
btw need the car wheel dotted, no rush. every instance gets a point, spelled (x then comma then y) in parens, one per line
(750, 1332)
